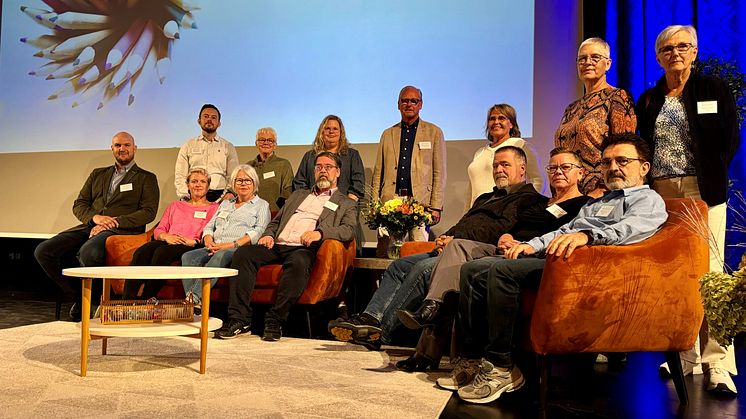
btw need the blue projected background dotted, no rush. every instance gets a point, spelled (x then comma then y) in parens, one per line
(284, 64)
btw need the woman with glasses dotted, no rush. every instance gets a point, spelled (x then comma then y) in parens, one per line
(501, 130)
(276, 172)
(691, 124)
(603, 110)
(237, 222)
(178, 232)
(331, 137)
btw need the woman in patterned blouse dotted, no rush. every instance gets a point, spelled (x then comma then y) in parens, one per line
(603, 110)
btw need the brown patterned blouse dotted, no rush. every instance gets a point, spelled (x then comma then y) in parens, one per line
(588, 121)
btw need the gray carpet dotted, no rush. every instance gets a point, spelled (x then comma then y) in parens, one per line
(246, 377)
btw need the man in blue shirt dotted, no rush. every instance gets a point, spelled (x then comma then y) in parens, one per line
(629, 213)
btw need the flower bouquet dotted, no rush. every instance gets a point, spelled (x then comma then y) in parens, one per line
(398, 216)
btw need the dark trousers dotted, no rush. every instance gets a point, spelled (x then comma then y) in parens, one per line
(489, 303)
(296, 262)
(152, 253)
(71, 248)
(213, 195)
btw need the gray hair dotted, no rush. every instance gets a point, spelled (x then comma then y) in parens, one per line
(201, 171)
(401, 92)
(249, 170)
(596, 41)
(672, 30)
(267, 130)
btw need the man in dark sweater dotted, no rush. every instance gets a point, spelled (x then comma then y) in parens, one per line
(491, 215)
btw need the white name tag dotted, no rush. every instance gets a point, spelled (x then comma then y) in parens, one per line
(604, 211)
(268, 175)
(557, 211)
(195, 151)
(331, 205)
(708, 106)
(126, 187)
(425, 145)
(200, 214)
(223, 215)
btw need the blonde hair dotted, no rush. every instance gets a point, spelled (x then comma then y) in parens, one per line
(318, 142)
(200, 171)
(249, 170)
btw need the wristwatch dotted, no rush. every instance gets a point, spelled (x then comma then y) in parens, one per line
(236, 245)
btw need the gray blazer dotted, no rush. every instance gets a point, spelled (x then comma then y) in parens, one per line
(338, 224)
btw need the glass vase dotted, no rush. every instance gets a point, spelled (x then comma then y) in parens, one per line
(395, 243)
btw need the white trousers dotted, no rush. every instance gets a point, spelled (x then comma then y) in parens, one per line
(706, 350)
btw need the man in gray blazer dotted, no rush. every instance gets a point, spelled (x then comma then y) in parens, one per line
(411, 159)
(292, 238)
(118, 199)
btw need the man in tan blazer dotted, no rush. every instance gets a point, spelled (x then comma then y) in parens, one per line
(411, 159)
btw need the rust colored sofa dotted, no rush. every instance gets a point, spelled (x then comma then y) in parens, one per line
(642, 297)
(333, 263)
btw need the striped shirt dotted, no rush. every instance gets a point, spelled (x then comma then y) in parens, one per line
(230, 223)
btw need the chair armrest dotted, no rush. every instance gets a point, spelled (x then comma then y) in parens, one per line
(121, 247)
(333, 261)
(413, 248)
(643, 296)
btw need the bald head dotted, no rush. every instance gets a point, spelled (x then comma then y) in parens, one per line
(123, 146)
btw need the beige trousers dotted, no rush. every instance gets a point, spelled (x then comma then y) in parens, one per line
(706, 351)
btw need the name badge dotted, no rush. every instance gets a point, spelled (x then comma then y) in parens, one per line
(557, 211)
(200, 214)
(223, 214)
(425, 145)
(126, 187)
(604, 211)
(707, 106)
(195, 151)
(331, 205)
(268, 175)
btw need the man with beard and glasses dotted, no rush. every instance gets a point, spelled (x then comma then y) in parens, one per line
(119, 199)
(292, 239)
(488, 308)
(207, 151)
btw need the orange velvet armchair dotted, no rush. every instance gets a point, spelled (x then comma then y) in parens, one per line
(642, 297)
(333, 263)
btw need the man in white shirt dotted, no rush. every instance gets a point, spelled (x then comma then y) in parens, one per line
(208, 151)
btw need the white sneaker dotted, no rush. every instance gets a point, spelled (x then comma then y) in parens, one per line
(463, 373)
(689, 368)
(718, 380)
(491, 383)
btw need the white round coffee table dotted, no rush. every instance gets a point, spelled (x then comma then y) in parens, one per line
(202, 325)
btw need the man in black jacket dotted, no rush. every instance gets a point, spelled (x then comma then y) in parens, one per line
(491, 215)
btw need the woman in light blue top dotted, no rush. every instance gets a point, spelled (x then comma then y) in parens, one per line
(237, 222)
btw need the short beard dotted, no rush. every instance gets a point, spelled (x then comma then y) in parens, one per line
(502, 183)
(323, 184)
(209, 130)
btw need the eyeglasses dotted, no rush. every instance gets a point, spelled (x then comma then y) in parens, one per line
(593, 58)
(564, 167)
(265, 140)
(620, 161)
(242, 181)
(681, 48)
(327, 167)
(412, 101)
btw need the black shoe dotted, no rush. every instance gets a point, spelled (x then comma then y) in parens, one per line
(342, 312)
(362, 329)
(272, 330)
(233, 329)
(415, 364)
(424, 316)
(76, 314)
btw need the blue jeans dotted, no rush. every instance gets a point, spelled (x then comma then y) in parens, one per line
(405, 280)
(201, 257)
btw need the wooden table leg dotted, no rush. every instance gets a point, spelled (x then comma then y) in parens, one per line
(85, 319)
(106, 297)
(203, 332)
